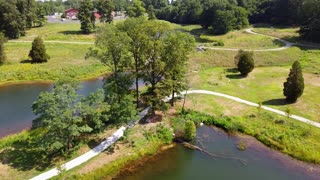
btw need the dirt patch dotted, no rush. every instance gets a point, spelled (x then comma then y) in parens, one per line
(312, 79)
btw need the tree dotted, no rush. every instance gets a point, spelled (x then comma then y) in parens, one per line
(105, 9)
(190, 131)
(224, 22)
(177, 48)
(59, 116)
(10, 21)
(136, 9)
(245, 62)
(40, 13)
(2, 53)
(86, 16)
(151, 13)
(132, 26)
(38, 51)
(294, 86)
(310, 28)
(153, 33)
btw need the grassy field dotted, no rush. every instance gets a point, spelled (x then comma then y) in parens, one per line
(66, 60)
(286, 135)
(58, 32)
(234, 39)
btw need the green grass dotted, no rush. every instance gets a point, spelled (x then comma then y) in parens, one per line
(234, 39)
(264, 84)
(286, 135)
(66, 60)
(58, 32)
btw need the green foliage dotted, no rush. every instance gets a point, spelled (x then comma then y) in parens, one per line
(38, 52)
(117, 95)
(190, 131)
(105, 9)
(245, 62)
(310, 28)
(86, 16)
(151, 13)
(294, 86)
(2, 53)
(65, 117)
(10, 21)
(159, 133)
(136, 9)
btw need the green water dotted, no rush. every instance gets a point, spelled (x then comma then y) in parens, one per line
(256, 162)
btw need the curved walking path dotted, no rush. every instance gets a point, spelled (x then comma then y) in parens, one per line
(287, 44)
(92, 153)
(119, 133)
(295, 117)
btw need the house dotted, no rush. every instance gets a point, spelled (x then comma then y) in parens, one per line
(71, 13)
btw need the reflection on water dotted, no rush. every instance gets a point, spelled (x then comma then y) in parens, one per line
(16, 101)
(181, 163)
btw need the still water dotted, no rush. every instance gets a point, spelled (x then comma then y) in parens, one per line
(16, 101)
(257, 162)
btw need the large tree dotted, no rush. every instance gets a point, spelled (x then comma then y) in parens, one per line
(59, 116)
(294, 86)
(132, 26)
(38, 52)
(177, 48)
(2, 53)
(86, 16)
(10, 21)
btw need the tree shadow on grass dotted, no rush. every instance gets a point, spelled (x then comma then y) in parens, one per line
(24, 155)
(27, 61)
(276, 102)
(71, 32)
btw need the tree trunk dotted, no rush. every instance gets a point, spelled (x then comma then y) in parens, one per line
(172, 98)
(137, 84)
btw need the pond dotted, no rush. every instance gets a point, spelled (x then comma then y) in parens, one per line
(16, 101)
(256, 162)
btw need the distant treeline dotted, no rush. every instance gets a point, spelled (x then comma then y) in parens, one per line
(224, 15)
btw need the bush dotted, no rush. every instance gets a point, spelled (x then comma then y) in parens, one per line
(2, 54)
(218, 43)
(189, 131)
(294, 86)
(245, 62)
(38, 52)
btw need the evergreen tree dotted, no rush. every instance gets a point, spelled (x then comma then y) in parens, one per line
(2, 53)
(40, 19)
(245, 62)
(294, 86)
(190, 131)
(86, 16)
(38, 52)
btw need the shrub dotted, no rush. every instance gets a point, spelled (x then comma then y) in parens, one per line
(245, 62)
(189, 130)
(218, 43)
(294, 86)
(38, 52)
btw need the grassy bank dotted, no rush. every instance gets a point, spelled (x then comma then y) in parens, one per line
(66, 60)
(288, 136)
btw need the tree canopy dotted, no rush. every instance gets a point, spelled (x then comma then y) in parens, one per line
(38, 52)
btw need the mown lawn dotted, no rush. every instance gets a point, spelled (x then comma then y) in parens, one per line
(66, 60)
(264, 84)
(234, 39)
(58, 32)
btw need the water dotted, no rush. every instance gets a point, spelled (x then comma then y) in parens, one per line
(257, 162)
(16, 101)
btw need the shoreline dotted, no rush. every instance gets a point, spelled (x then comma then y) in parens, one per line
(42, 81)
